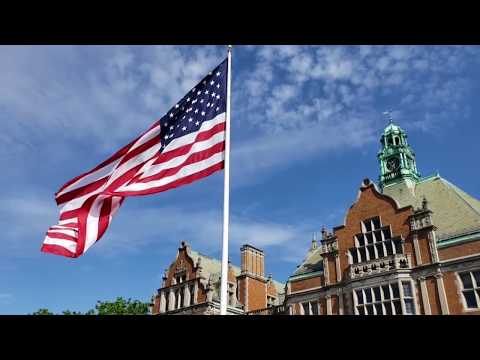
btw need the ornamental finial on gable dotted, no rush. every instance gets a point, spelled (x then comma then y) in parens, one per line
(424, 203)
(314, 241)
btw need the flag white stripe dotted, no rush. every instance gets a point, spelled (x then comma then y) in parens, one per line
(109, 168)
(78, 202)
(67, 244)
(90, 178)
(116, 200)
(190, 138)
(185, 171)
(68, 221)
(199, 146)
(137, 160)
(154, 132)
(148, 153)
(93, 221)
(70, 232)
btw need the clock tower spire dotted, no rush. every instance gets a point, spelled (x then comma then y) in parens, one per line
(396, 157)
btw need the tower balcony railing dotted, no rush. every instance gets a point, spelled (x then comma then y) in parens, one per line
(377, 266)
(391, 175)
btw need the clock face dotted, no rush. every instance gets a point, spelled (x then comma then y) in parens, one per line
(392, 164)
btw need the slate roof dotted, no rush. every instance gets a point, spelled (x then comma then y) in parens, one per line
(210, 265)
(212, 269)
(454, 211)
(313, 262)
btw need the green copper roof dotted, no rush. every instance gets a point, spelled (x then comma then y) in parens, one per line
(312, 262)
(210, 265)
(392, 128)
(454, 211)
(212, 269)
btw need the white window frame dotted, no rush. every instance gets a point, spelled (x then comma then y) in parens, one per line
(383, 301)
(475, 287)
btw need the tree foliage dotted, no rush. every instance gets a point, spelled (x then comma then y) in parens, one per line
(121, 307)
(42, 312)
(118, 307)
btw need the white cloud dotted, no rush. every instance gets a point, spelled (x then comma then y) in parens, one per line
(136, 229)
(203, 230)
(82, 92)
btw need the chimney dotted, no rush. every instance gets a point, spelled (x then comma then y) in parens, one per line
(253, 261)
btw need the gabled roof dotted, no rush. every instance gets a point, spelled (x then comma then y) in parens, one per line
(210, 266)
(313, 262)
(212, 269)
(454, 211)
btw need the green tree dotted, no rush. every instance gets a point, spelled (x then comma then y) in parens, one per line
(121, 307)
(68, 312)
(42, 312)
(118, 307)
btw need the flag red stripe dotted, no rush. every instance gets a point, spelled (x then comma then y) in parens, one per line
(138, 150)
(183, 181)
(82, 220)
(73, 225)
(104, 216)
(193, 158)
(55, 235)
(203, 136)
(57, 250)
(123, 179)
(111, 159)
(71, 214)
(81, 191)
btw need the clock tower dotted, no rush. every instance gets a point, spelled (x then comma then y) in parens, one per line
(396, 157)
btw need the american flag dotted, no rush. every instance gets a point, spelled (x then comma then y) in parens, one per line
(185, 145)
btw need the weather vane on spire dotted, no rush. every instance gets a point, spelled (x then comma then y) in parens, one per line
(388, 114)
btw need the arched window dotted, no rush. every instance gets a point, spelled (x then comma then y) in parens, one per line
(397, 141)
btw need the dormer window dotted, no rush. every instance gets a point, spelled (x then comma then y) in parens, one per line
(181, 278)
(374, 242)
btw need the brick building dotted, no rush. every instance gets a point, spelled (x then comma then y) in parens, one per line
(191, 285)
(408, 246)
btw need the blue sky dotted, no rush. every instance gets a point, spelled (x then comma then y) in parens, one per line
(306, 122)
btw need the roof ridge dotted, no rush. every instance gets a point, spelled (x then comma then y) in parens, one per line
(213, 259)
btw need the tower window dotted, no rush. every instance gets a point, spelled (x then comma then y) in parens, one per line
(396, 141)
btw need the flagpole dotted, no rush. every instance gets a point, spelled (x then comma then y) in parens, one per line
(226, 191)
